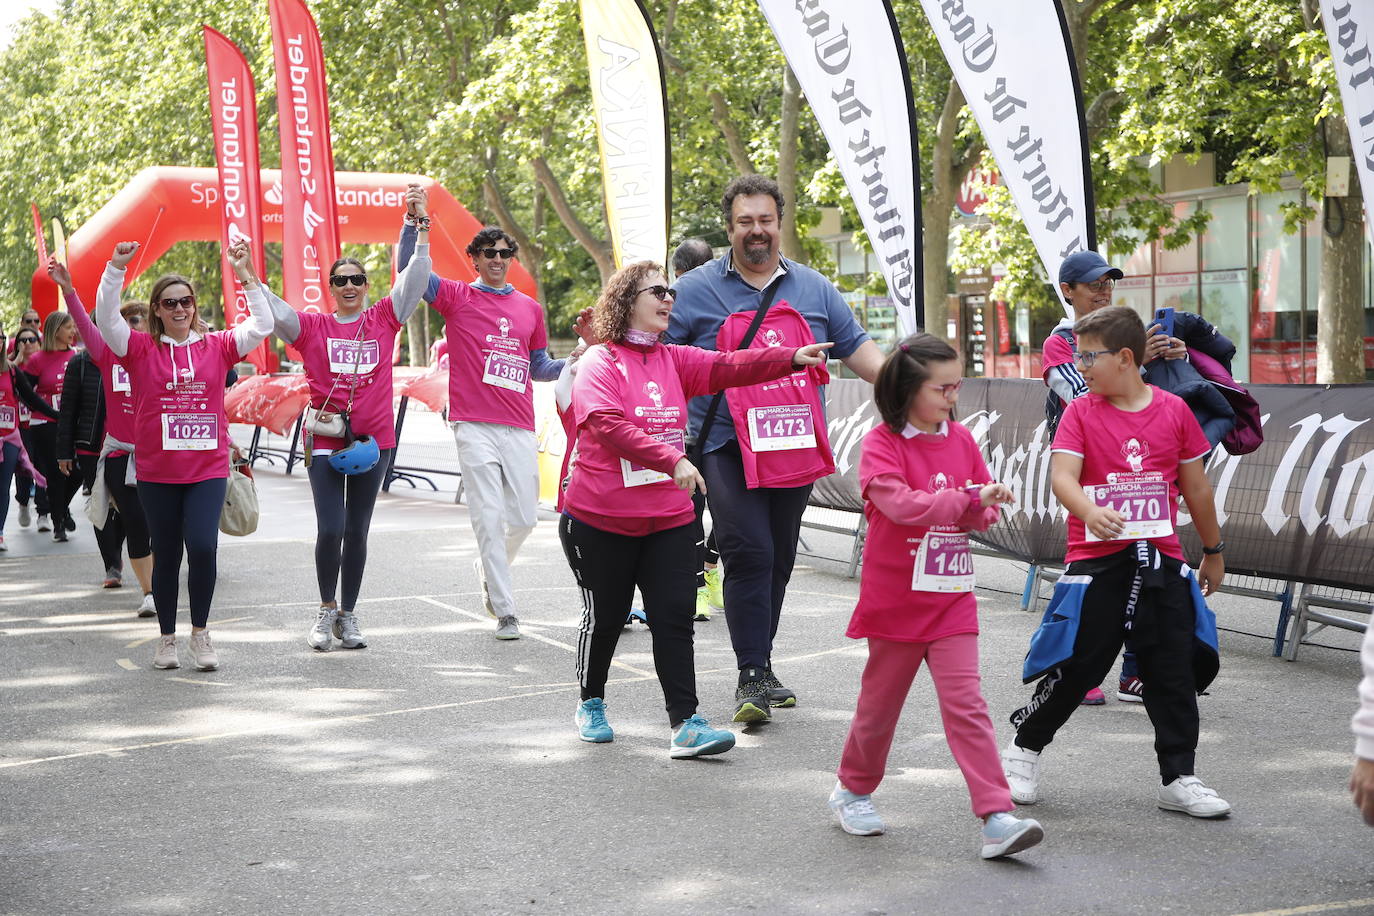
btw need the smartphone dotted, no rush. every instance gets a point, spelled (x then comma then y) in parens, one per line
(1165, 319)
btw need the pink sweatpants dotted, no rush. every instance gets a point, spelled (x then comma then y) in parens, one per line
(953, 664)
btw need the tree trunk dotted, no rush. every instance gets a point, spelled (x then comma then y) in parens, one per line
(533, 255)
(599, 249)
(787, 164)
(1340, 307)
(936, 212)
(417, 337)
(739, 152)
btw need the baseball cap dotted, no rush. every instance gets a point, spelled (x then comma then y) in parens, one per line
(1085, 267)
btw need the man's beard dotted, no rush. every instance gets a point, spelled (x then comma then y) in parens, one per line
(758, 256)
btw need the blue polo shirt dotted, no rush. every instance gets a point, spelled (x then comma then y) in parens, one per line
(712, 292)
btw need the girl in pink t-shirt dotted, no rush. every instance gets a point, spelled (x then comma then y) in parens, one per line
(347, 358)
(48, 369)
(627, 512)
(181, 437)
(925, 485)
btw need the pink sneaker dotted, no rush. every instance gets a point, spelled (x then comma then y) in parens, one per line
(1094, 697)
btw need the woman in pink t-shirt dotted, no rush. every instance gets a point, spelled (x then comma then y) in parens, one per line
(48, 368)
(925, 485)
(347, 357)
(16, 392)
(627, 513)
(25, 344)
(181, 437)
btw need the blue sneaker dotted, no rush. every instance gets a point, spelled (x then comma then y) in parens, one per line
(1004, 835)
(856, 813)
(696, 738)
(591, 721)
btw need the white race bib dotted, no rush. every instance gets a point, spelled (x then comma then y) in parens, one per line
(781, 428)
(349, 356)
(9, 421)
(943, 563)
(119, 379)
(635, 476)
(1144, 504)
(190, 432)
(506, 370)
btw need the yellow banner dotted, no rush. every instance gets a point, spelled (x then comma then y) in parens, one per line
(631, 126)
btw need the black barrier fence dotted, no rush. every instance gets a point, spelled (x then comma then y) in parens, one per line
(1297, 509)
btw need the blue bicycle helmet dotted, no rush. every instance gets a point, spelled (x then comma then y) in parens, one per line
(358, 457)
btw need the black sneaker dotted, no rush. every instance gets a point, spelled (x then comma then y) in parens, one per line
(779, 697)
(751, 702)
(59, 535)
(69, 523)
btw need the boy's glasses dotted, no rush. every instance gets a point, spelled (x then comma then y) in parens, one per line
(355, 279)
(1086, 358)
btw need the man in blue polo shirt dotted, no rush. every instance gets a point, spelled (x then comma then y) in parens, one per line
(756, 529)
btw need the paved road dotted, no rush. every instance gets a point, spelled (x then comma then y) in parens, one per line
(438, 771)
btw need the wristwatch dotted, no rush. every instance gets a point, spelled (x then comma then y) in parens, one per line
(1213, 551)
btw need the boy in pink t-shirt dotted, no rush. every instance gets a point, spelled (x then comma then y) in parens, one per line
(1122, 457)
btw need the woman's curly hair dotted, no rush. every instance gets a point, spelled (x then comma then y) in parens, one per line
(611, 314)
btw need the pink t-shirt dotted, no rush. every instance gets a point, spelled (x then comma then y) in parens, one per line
(51, 367)
(1137, 455)
(889, 607)
(9, 408)
(490, 336)
(650, 389)
(780, 424)
(114, 378)
(181, 433)
(352, 353)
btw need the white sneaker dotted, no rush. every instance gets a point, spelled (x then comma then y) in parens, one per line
(25, 516)
(1189, 795)
(482, 581)
(44, 524)
(322, 633)
(508, 628)
(1022, 769)
(1004, 834)
(202, 653)
(147, 608)
(347, 632)
(165, 655)
(855, 813)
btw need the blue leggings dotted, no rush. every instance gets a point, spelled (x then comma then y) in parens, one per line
(343, 515)
(183, 515)
(9, 460)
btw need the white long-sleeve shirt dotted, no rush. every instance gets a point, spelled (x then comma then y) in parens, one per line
(247, 334)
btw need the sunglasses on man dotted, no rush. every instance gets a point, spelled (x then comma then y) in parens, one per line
(342, 281)
(502, 253)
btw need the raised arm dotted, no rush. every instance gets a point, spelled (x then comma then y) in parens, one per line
(286, 323)
(405, 246)
(262, 316)
(413, 280)
(111, 324)
(95, 344)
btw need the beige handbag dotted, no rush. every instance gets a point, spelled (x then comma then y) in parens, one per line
(239, 517)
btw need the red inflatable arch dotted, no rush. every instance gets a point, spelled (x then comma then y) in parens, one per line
(164, 205)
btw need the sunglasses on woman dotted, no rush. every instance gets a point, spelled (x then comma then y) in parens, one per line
(660, 292)
(172, 305)
(26, 340)
(342, 281)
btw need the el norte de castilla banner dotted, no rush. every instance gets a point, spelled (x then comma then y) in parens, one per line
(848, 58)
(1015, 65)
(1301, 507)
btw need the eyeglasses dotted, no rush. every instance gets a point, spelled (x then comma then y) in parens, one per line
(26, 340)
(660, 292)
(342, 281)
(172, 305)
(947, 390)
(1086, 358)
(28, 321)
(502, 253)
(1100, 285)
